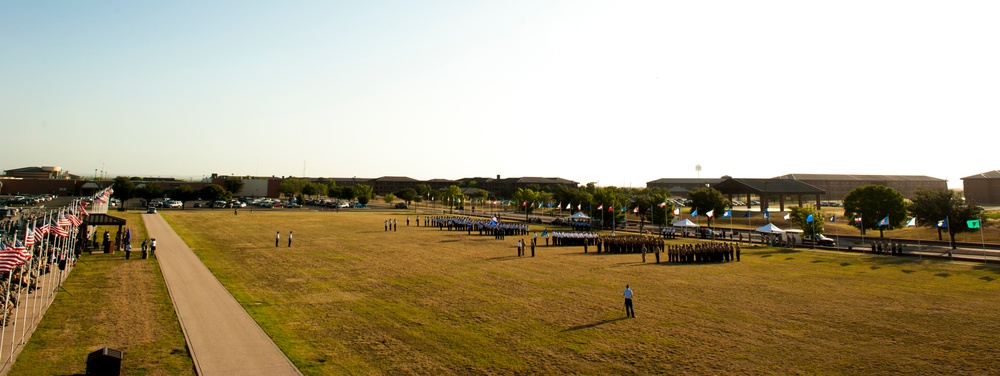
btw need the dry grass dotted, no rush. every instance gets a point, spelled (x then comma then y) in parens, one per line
(349, 297)
(108, 301)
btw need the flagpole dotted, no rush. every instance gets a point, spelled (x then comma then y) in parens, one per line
(982, 237)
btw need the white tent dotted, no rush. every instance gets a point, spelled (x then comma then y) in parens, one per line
(770, 228)
(685, 223)
(579, 215)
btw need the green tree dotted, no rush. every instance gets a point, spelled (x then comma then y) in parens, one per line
(311, 189)
(873, 203)
(346, 193)
(149, 191)
(124, 188)
(389, 198)
(663, 210)
(233, 184)
(931, 206)
(407, 194)
(215, 192)
(708, 199)
(423, 190)
(364, 193)
(184, 193)
(799, 216)
(292, 186)
(525, 199)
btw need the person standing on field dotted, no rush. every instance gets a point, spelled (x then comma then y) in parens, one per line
(289, 239)
(629, 311)
(277, 238)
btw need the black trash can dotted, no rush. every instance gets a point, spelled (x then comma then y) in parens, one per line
(105, 362)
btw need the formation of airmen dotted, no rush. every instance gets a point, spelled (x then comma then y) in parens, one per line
(567, 238)
(704, 252)
(499, 230)
(630, 244)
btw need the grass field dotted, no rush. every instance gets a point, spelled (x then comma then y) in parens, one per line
(349, 297)
(108, 301)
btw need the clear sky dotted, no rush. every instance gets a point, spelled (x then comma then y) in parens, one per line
(613, 92)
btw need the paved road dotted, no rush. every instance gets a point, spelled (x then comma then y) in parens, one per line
(222, 337)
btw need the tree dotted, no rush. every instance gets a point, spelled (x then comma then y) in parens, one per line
(407, 194)
(184, 193)
(931, 206)
(873, 203)
(389, 198)
(799, 217)
(525, 198)
(233, 184)
(149, 191)
(364, 193)
(708, 199)
(423, 190)
(292, 186)
(310, 189)
(346, 193)
(124, 188)
(452, 194)
(215, 192)
(663, 210)
(610, 200)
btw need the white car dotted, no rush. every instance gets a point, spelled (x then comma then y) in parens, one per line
(174, 204)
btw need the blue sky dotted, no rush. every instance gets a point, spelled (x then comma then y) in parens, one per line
(618, 93)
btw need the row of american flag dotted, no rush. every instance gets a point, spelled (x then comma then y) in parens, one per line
(16, 250)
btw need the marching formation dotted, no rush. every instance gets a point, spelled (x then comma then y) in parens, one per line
(704, 252)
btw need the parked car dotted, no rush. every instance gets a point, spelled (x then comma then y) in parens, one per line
(218, 204)
(820, 240)
(151, 210)
(400, 206)
(293, 205)
(197, 204)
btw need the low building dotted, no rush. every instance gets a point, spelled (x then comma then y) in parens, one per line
(837, 186)
(983, 188)
(679, 187)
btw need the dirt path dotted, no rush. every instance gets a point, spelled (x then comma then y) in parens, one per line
(222, 337)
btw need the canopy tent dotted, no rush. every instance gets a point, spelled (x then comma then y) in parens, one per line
(685, 223)
(579, 215)
(770, 228)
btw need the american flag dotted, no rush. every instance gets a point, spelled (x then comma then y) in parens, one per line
(29, 237)
(58, 230)
(82, 209)
(41, 231)
(63, 222)
(73, 219)
(11, 257)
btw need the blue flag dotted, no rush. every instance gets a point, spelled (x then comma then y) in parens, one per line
(767, 215)
(727, 214)
(545, 233)
(884, 221)
(942, 223)
(833, 218)
(747, 214)
(809, 219)
(694, 213)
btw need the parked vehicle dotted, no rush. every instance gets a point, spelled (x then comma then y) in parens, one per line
(400, 206)
(151, 210)
(820, 239)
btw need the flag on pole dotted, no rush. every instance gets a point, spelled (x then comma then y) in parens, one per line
(578, 206)
(942, 223)
(710, 213)
(809, 219)
(767, 215)
(636, 210)
(569, 206)
(912, 222)
(972, 223)
(663, 204)
(82, 209)
(833, 218)
(746, 214)
(677, 211)
(539, 204)
(545, 233)
(727, 214)
(787, 216)
(694, 213)
(600, 207)
(29, 237)
(610, 208)
(884, 221)
(524, 203)
(857, 219)
(623, 209)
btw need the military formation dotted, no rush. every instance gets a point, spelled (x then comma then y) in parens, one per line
(703, 253)
(630, 244)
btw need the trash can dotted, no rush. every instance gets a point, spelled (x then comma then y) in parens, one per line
(104, 362)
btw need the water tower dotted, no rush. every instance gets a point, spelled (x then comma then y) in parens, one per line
(698, 169)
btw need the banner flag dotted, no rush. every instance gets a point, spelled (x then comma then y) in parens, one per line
(884, 221)
(809, 219)
(973, 223)
(912, 222)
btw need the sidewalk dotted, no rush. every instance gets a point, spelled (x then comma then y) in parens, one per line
(221, 336)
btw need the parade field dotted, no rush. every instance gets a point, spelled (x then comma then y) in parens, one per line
(349, 297)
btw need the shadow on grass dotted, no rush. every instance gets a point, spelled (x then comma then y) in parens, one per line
(993, 267)
(591, 325)
(988, 279)
(503, 258)
(908, 271)
(943, 275)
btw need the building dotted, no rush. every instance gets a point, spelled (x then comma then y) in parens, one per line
(681, 187)
(983, 188)
(838, 186)
(44, 172)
